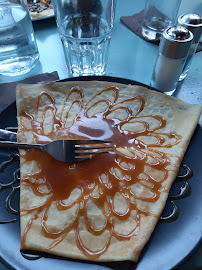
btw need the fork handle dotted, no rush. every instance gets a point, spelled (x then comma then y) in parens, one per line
(8, 135)
(9, 144)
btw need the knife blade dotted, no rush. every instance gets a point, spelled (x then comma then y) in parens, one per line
(8, 135)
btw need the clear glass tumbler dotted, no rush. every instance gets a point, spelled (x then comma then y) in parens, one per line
(159, 15)
(18, 49)
(85, 29)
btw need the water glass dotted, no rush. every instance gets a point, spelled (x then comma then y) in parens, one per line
(18, 49)
(159, 15)
(85, 28)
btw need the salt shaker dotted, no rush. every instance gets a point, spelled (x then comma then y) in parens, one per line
(193, 23)
(173, 50)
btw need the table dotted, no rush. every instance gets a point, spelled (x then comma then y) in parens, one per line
(129, 57)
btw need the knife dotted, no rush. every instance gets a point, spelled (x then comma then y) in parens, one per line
(8, 135)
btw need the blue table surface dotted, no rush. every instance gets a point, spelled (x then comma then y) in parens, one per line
(130, 57)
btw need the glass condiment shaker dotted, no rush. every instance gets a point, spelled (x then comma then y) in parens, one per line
(193, 23)
(173, 50)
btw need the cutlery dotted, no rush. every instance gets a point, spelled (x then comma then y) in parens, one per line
(66, 150)
(8, 135)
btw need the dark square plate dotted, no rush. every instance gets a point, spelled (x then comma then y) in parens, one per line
(169, 245)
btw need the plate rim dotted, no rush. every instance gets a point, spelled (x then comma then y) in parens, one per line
(51, 15)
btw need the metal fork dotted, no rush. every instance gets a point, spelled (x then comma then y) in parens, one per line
(66, 150)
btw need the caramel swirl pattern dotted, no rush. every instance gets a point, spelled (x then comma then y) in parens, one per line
(132, 173)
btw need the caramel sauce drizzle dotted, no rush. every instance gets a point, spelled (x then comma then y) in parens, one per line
(62, 178)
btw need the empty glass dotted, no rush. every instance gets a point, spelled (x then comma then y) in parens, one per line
(159, 15)
(18, 49)
(85, 29)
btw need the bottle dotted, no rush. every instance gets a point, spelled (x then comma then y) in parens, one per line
(173, 51)
(193, 23)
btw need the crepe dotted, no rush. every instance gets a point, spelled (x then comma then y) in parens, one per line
(104, 208)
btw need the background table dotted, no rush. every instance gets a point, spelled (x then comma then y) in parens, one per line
(129, 57)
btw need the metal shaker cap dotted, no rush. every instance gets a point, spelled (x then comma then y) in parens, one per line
(175, 42)
(193, 23)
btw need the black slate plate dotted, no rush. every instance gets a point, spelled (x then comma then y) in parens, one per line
(169, 245)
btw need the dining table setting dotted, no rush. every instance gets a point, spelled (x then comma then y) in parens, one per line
(66, 66)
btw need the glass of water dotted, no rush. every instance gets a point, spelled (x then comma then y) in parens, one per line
(18, 49)
(85, 28)
(159, 15)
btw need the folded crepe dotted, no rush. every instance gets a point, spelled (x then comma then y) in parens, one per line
(104, 208)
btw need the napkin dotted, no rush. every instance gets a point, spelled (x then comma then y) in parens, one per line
(134, 23)
(7, 90)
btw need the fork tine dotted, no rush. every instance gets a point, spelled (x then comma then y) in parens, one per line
(77, 148)
(78, 159)
(78, 154)
(91, 141)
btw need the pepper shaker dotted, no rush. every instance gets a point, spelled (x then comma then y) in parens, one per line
(173, 51)
(193, 23)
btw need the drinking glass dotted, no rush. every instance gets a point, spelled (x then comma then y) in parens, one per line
(85, 28)
(18, 49)
(159, 15)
